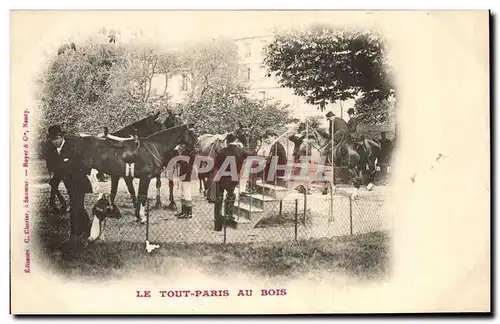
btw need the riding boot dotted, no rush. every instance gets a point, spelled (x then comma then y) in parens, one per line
(188, 213)
(182, 213)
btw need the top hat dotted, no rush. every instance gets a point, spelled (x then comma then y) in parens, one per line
(330, 114)
(350, 111)
(270, 132)
(54, 131)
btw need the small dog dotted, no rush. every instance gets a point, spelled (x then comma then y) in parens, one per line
(102, 209)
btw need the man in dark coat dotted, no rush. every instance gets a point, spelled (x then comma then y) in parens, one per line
(225, 183)
(70, 168)
(52, 157)
(337, 126)
(186, 175)
(385, 149)
(277, 150)
(353, 125)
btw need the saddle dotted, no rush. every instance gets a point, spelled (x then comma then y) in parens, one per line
(114, 143)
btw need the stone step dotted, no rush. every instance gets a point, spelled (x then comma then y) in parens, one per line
(247, 211)
(258, 200)
(276, 192)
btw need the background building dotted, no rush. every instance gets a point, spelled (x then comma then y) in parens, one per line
(251, 52)
(251, 71)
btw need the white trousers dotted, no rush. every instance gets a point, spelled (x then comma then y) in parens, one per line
(185, 187)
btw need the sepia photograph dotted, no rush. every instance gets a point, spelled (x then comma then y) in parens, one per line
(177, 162)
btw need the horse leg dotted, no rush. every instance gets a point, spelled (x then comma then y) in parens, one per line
(158, 197)
(129, 181)
(209, 185)
(142, 196)
(356, 177)
(114, 187)
(204, 182)
(62, 201)
(200, 188)
(371, 175)
(171, 204)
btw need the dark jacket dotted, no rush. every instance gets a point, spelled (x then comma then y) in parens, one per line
(385, 150)
(239, 154)
(69, 167)
(353, 124)
(337, 124)
(276, 150)
(186, 168)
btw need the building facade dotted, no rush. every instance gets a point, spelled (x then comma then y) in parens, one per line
(252, 72)
(251, 52)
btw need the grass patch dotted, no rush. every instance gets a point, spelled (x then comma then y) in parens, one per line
(362, 256)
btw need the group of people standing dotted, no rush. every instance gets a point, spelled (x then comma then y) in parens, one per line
(66, 163)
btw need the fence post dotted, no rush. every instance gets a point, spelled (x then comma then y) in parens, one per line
(296, 217)
(147, 219)
(350, 214)
(225, 227)
(305, 209)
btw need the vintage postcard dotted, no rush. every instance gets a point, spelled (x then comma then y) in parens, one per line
(250, 162)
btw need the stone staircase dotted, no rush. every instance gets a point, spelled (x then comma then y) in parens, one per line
(249, 209)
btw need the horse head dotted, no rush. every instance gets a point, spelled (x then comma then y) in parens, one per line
(172, 120)
(189, 139)
(243, 133)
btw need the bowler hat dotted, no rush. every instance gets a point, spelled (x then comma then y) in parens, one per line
(54, 131)
(329, 114)
(350, 111)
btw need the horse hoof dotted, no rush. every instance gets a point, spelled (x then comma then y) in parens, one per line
(370, 186)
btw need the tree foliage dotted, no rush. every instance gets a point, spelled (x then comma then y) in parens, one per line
(217, 99)
(222, 109)
(326, 65)
(106, 83)
(101, 84)
(210, 65)
(374, 112)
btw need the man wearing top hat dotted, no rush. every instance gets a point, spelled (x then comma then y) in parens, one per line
(353, 125)
(70, 168)
(336, 126)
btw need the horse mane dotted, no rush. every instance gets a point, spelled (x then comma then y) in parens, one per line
(136, 125)
(161, 133)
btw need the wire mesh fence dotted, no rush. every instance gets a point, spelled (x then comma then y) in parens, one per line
(295, 217)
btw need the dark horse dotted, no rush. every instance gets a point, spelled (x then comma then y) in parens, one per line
(144, 128)
(358, 156)
(152, 154)
(148, 156)
(141, 128)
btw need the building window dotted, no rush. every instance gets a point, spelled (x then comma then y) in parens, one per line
(248, 50)
(184, 85)
(263, 46)
(249, 74)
